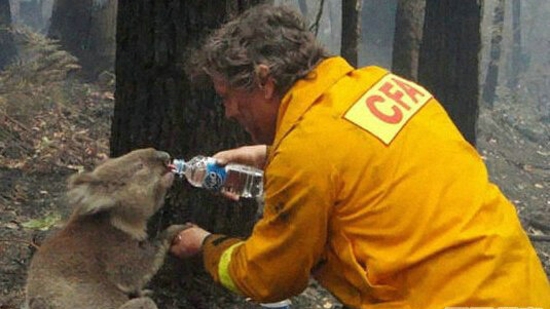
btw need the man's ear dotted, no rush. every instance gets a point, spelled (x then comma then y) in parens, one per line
(265, 80)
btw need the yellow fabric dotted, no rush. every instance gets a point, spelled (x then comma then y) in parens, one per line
(387, 107)
(412, 223)
(214, 247)
(223, 269)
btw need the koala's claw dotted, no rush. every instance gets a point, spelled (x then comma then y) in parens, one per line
(146, 293)
(139, 303)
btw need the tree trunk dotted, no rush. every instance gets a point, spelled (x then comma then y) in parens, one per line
(491, 79)
(334, 20)
(302, 4)
(102, 50)
(448, 64)
(378, 27)
(316, 24)
(516, 67)
(409, 21)
(14, 6)
(70, 24)
(156, 107)
(86, 29)
(7, 45)
(30, 14)
(350, 30)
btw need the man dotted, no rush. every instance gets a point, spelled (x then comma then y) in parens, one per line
(369, 187)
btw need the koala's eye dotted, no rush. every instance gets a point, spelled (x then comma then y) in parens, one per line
(140, 166)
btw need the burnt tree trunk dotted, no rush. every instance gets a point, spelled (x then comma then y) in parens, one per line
(86, 29)
(155, 103)
(491, 79)
(30, 14)
(70, 24)
(156, 106)
(377, 30)
(7, 45)
(409, 21)
(302, 4)
(516, 67)
(448, 64)
(350, 30)
(102, 37)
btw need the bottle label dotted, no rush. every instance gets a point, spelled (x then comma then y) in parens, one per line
(215, 176)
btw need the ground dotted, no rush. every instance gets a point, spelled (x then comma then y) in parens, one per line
(37, 154)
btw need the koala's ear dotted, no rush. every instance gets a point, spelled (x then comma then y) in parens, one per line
(81, 178)
(86, 195)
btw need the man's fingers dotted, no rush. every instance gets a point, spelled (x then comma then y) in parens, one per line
(231, 196)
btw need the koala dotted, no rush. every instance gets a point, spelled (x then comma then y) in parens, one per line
(102, 257)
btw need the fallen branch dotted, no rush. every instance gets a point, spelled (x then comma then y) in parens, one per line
(535, 237)
(539, 225)
(19, 124)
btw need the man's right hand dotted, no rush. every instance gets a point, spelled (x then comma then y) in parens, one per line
(248, 155)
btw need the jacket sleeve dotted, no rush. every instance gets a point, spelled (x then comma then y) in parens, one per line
(275, 262)
(217, 251)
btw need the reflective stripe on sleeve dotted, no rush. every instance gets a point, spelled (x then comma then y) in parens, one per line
(223, 269)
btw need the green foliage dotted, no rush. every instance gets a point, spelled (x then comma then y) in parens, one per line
(42, 224)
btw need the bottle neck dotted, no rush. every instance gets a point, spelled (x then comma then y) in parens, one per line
(179, 166)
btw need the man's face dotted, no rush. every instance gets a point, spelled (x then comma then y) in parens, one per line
(255, 110)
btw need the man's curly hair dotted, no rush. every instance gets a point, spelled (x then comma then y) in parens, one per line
(276, 36)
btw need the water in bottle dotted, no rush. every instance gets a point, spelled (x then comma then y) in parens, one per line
(203, 172)
(243, 180)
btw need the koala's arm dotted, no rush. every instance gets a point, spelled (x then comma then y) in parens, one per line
(131, 270)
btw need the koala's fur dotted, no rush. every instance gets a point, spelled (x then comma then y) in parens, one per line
(102, 257)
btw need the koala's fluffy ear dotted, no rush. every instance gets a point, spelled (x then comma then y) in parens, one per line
(81, 178)
(86, 195)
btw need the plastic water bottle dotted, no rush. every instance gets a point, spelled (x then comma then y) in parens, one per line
(203, 172)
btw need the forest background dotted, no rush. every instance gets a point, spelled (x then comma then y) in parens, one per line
(81, 80)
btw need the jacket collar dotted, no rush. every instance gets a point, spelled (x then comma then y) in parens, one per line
(305, 92)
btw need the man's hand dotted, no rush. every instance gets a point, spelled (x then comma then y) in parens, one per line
(188, 242)
(248, 155)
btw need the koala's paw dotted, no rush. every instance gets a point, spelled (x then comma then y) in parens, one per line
(140, 293)
(139, 303)
(172, 231)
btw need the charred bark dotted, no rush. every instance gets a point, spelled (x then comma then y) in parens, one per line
(516, 68)
(491, 80)
(7, 44)
(409, 21)
(350, 30)
(156, 106)
(86, 29)
(448, 64)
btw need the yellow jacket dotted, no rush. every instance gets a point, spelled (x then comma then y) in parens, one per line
(370, 188)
